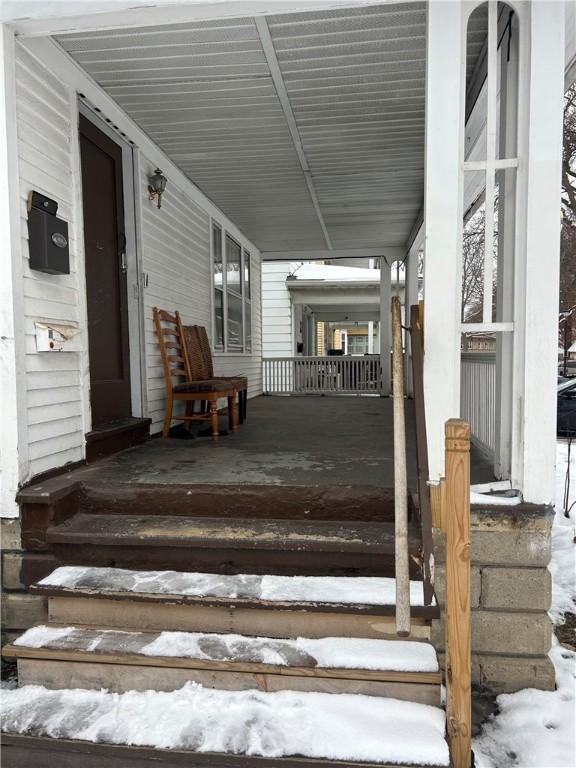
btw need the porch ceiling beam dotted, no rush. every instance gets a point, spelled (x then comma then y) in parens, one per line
(416, 236)
(279, 84)
(347, 317)
(162, 15)
(390, 252)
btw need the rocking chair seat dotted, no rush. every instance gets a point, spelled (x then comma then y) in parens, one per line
(208, 385)
(240, 382)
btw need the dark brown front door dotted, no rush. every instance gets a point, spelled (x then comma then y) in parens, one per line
(106, 285)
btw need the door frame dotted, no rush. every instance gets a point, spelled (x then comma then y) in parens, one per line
(132, 230)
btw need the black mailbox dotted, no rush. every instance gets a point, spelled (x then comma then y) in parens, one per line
(47, 236)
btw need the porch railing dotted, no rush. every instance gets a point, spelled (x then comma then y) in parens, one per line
(321, 375)
(478, 397)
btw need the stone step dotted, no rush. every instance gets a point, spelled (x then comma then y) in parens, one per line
(230, 545)
(251, 604)
(220, 729)
(121, 660)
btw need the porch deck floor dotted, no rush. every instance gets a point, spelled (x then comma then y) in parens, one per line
(319, 441)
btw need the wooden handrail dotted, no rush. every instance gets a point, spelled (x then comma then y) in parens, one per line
(417, 347)
(455, 517)
(401, 556)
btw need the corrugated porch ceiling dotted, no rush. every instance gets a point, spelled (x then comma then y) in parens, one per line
(208, 94)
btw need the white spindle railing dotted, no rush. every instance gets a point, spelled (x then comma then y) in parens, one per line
(321, 375)
(478, 397)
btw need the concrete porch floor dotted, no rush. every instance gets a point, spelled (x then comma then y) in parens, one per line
(289, 440)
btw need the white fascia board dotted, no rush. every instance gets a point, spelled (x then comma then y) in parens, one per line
(177, 13)
(55, 59)
(390, 252)
(334, 285)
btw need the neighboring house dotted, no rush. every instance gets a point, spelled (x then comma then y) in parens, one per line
(479, 342)
(299, 299)
(302, 131)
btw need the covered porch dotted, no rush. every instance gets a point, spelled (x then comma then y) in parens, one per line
(312, 132)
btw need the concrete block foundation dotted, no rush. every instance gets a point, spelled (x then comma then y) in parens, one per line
(511, 594)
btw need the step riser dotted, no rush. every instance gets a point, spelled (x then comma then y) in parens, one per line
(362, 503)
(38, 752)
(61, 498)
(120, 678)
(245, 621)
(230, 561)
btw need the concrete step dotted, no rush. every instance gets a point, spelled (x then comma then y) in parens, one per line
(221, 728)
(121, 660)
(248, 604)
(230, 545)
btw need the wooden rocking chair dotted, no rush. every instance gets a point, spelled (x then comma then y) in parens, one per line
(239, 381)
(177, 367)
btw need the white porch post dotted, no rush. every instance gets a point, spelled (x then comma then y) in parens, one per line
(385, 326)
(13, 451)
(311, 334)
(506, 245)
(370, 337)
(445, 87)
(537, 246)
(410, 298)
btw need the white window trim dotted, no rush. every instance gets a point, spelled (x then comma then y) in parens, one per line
(245, 248)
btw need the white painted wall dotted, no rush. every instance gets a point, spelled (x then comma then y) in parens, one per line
(175, 257)
(176, 262)
(277, 324)
(53, 381)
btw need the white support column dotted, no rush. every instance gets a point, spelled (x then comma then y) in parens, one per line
(385, 326)
(311, 335)
(370, 337)
(410, 298)
(13, 449)
(445, 89)
(506, 245)
(537, 245)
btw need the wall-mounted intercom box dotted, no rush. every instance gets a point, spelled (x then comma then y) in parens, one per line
(47, 236)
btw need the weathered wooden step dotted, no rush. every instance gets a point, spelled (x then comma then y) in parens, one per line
(230, 545)
(119, 660)
(279, 727)
(272, 606)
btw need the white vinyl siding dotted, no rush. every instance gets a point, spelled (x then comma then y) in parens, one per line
(277, 335)
(176, 265)
(53, 380)
(175, 262)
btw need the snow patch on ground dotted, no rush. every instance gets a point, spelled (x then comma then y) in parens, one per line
(536, 729)
(533, 729)
(357, 590)
(316, 725)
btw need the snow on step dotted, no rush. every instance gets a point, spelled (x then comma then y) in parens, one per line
(281, 724)
(341, 590)
(328, 652)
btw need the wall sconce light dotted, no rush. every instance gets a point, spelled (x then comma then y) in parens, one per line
(157, 186)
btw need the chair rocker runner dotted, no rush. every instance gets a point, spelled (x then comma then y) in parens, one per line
(181, 386)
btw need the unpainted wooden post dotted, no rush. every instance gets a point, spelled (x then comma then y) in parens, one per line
(401, 555)
(456, 520)
(438, 503)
